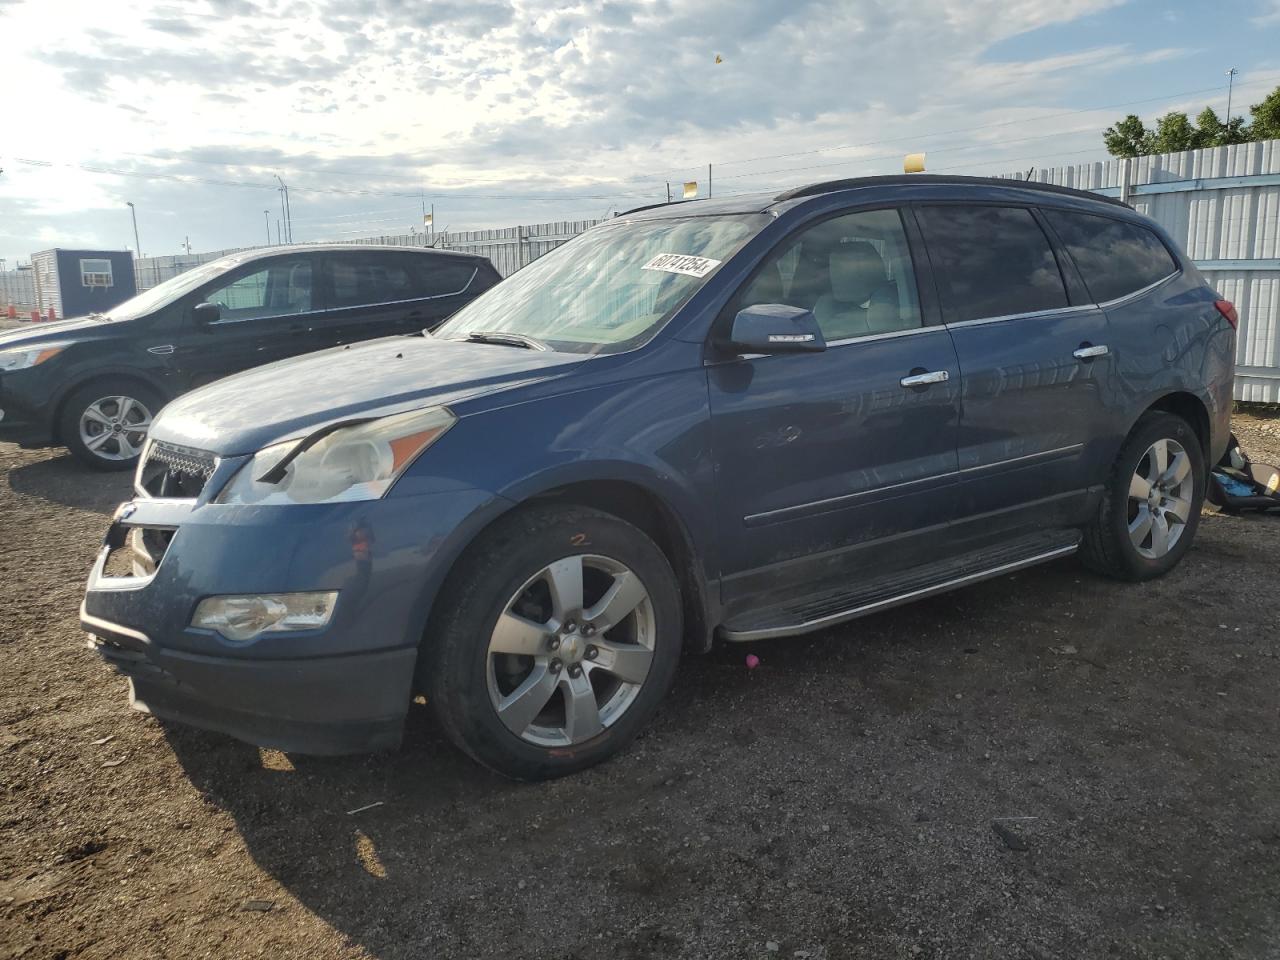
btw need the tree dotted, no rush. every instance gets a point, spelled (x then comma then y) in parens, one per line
(1266, 118)
(1173, 132)
(1128, 138)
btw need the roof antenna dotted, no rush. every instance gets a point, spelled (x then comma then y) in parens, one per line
(1030, 173)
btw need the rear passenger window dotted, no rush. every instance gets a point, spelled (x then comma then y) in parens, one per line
(358, 279)
(991, 261)
(1115, 258)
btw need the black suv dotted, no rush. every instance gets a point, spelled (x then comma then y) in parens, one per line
(93, 384)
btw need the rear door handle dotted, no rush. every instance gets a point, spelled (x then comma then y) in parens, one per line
(1088, 351)
(924, 379)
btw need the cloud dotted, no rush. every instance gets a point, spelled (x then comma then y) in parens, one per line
(1269, 15)
(472, 100)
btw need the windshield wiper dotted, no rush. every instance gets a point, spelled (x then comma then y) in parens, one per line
(506, 339)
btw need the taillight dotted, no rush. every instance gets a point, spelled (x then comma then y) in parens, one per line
(1228, 310)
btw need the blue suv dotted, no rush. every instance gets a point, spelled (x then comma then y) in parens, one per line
(739, 418)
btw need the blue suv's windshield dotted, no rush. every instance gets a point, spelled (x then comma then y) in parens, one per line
(610, 289)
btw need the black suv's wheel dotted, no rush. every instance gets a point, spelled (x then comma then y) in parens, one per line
(1152, 504)
(105, 423)
(561, 635)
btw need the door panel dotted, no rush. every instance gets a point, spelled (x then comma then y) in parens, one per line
(826, 465)
(265, 308)
(1032, 409)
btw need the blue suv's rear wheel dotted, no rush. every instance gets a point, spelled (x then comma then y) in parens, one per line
(1152, 503)
(561, 635)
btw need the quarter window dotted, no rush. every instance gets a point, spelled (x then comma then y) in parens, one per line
(854, 272)
(1114, 257)
(991, 261)
(280, 289)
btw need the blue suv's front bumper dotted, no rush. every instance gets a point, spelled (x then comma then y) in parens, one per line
(343, 688)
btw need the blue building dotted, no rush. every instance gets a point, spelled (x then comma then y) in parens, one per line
(78, 282)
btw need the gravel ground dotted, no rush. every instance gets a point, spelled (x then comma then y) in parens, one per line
(1050, 765)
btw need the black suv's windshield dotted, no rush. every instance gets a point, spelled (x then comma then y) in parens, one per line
(165, 293)
(610, 289)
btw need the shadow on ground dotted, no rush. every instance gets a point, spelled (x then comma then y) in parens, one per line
(61, 479)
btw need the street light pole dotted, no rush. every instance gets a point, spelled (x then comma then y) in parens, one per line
(266, 215)
(1231, 79)
(133, 212)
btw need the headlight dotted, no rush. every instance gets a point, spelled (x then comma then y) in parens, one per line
(358, 462)
(20, 359)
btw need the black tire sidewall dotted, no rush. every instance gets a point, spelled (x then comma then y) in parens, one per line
(80, 398)
(486, 578)
(1153, 427)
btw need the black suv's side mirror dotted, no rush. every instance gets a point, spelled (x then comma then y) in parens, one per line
(776, 328)
(207, 313)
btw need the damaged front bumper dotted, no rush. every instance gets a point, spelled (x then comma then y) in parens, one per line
(341, 688)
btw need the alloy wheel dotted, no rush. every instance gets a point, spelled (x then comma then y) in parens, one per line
(571, 651)
(115, 428)
(1161, 492)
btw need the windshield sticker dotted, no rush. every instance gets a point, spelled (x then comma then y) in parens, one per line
(681, 263)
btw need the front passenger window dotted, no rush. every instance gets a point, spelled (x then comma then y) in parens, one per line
(280, 289)
(853, 272)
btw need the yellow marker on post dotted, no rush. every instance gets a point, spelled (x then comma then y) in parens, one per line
(690, 189)
(913, 163)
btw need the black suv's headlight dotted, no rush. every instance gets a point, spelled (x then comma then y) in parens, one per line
(357, 462)
(22, 357)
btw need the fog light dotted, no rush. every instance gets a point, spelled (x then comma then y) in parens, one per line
(246, 616)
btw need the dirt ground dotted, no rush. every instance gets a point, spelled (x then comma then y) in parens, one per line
(1049, 765)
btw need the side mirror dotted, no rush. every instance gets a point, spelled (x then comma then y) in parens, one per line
(207, 313)
(776, 328)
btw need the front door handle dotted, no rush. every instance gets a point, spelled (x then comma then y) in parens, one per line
(924, 379)
(1088, 351)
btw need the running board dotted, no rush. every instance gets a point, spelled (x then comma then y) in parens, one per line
(831, 607)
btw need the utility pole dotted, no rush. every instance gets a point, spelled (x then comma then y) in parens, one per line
(708, 181)
(668, 191)
(266, 215)
(186, 243)
(277, 231)
(284, 208)
(1231, 80)
(137, 245)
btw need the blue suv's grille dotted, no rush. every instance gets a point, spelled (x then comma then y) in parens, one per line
(172, 471)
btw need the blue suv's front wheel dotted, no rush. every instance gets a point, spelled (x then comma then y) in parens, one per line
(560, 635)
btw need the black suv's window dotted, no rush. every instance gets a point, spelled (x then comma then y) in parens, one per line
(278, 289)
(1114, 257)
(991, 261)
(854, 272)
(360, 279)
(441, 276)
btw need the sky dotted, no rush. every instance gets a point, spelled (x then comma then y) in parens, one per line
(500, 112)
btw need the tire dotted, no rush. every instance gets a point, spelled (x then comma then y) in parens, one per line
(516, 566)
(91, 413)
(1119, 543)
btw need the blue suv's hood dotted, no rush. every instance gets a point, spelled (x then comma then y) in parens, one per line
(244, 413)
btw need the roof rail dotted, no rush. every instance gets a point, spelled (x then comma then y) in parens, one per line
(660, 203)
(830, 186)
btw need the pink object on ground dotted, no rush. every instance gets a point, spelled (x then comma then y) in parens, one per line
(752, 661)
